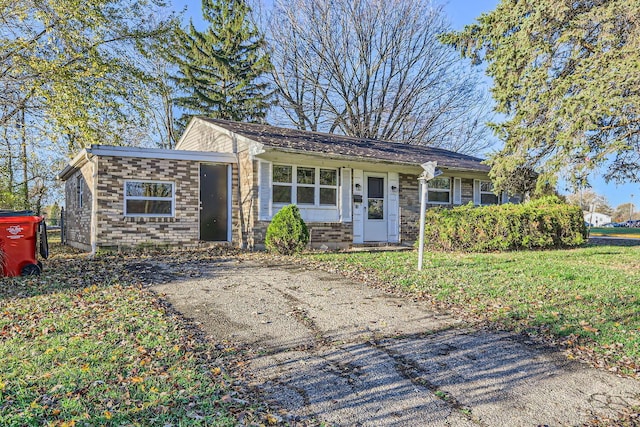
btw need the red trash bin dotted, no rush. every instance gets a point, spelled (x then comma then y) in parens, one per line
(18, 237)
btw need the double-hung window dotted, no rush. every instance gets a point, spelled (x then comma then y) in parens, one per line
(149, 198)
(487, 197)
(439, 190)
(304, 185)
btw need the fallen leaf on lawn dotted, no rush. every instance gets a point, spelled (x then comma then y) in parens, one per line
(273, 419)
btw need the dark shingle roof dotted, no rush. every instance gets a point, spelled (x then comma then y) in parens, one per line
(294, 140)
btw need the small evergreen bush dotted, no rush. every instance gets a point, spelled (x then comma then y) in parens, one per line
(541, 223)
(287, 234)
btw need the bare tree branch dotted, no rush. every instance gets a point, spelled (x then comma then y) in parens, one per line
(375, 69)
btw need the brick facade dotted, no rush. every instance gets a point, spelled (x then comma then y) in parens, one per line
(410, 205)
(77, 218)
(409, 208)
(114, 229)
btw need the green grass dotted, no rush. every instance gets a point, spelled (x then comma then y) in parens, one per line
(81, 346)
(620, 231)
(590, 294)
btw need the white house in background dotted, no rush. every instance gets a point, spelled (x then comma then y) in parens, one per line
(596, 219)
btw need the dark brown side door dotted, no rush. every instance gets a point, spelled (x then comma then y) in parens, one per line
(214, 203)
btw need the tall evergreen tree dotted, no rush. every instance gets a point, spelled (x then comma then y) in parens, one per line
(567, 79)
(220, 69)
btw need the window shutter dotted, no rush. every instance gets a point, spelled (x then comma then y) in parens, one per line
(393, 207)
(457, 191)
(476, 192)
(345, 195)
(264, 193)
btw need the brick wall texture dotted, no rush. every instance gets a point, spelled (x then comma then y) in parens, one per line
(332, 235)
(115, 230)
(77, 218)
(410, 205)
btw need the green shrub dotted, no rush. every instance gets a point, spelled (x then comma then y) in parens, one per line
(541, 223)
(287, 233)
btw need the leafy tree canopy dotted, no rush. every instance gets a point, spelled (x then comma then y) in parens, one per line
(72, 73)
(567, 77)
(74, 66)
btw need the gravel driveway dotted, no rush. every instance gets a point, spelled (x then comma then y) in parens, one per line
(334, 351)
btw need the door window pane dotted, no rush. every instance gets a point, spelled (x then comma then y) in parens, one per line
(375, 209)
(375, 188)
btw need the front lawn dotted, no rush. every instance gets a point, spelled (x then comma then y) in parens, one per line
(631, 232)
(83, 344)
(586, 298)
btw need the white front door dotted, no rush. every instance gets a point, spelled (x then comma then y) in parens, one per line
(375, 207)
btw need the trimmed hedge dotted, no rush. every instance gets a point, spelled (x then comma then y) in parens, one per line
(541, 223)
(287, 233)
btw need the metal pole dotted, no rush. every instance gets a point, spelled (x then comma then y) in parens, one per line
(423, 207)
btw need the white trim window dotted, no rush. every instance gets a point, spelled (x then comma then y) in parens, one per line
(487, 196)
(304, 185)
(439, 191)
(149, 198)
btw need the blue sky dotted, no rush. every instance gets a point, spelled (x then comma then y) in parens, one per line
(461, 13)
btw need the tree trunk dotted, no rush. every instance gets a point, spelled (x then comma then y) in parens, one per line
(25, 163)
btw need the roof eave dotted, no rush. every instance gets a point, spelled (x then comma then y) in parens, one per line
(334, 156)
(76, 163)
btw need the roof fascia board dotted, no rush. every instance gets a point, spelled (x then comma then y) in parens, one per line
(76, 163)
(164, 154)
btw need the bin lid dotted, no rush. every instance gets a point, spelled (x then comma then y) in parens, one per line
(4, 212)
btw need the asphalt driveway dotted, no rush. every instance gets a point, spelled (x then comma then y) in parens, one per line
(334, 351)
